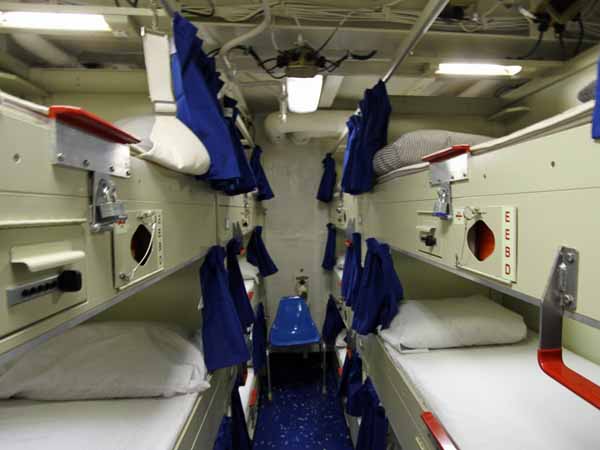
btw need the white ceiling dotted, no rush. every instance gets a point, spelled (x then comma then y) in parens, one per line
(493, 31)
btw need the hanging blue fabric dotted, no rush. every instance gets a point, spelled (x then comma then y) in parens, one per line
(195, 85)
(333, 324)
(222, 333)
(224, 439)
(361, 396)
(369, 134)
(372, 434)
(351, 162)
(380, 290)
(236, 285)
(354, 405)
(327, 185)
(329, 256)
(246, 181)
(239, 429)
(596, 116)
(264, 188)
(259, 340)
(352, 270)
(257, 254)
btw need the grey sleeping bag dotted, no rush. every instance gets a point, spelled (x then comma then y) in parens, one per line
(412, 146)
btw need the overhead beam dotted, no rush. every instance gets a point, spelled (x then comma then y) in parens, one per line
(583, 61)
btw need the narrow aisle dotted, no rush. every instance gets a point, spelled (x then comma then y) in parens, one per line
(300, 417)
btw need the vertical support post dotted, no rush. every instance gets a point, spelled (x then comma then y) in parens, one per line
(270, 392)
(324, 351)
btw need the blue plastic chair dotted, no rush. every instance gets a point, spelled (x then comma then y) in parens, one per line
(293, 327)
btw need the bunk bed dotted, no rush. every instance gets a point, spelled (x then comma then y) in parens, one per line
(183, 422)
(530, 190)
(485, 397)
(66, 165)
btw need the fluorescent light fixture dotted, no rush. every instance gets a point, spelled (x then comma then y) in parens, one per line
(304, 93)
(53, 21)
(476, 69)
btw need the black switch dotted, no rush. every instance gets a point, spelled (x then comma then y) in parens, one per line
(70, 281)
(429, 240)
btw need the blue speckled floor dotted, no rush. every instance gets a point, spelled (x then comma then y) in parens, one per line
(300, 417)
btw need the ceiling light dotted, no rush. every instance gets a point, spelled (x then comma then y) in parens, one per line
(304, 93)
(476, 69)
(53, 21)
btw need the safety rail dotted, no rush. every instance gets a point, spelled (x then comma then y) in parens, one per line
(437, 430)
(90, 123)
(561, 296)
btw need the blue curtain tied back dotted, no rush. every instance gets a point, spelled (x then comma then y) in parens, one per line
(329, 256)
(352, 270)
(351, 381)
(222, 334)
(240, 437)
(258, 256)
(264, 188)
(245, 182)
(196, 84)
(372, 434)
(380, 290)
(333, 324)
(367, 133)
(237, 289)
(259, 340)
(327, 185)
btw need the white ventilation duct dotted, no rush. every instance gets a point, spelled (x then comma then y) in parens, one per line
(301, 128)
(45, 50)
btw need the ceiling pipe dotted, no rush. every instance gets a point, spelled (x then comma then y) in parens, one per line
(426, 19)
(229, 46)
(45, 50)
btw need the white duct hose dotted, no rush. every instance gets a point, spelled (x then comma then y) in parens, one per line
(300, 128)
(226, 49)
(45, 50)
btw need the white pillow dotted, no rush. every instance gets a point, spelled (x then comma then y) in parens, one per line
(107, 360)
(168, 142)
(453, 322)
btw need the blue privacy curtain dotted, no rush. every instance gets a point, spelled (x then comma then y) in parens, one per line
(222, 333)
(245, 182)
(236, 285)
(596, 117)
(327, 185)
(264, 188)
(329, 256)
(257, 254)
(351, 382)
(380, 290)
(372, 434)
(224, 439)
(196, 84)
(259, 340)
(240, 437)
(352, 270)
(367, 134)
(333, 324)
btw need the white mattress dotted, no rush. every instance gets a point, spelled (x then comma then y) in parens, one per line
(497, 397)
(140, 424)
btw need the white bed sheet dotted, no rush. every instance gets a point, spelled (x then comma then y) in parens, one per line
(137, 424)
(497, 397)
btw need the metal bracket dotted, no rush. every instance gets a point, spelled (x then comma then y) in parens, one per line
(560, 295)
(106, 209)
(442, 207)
